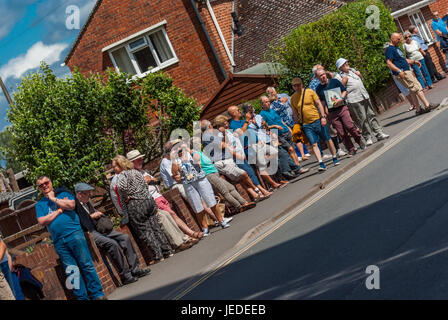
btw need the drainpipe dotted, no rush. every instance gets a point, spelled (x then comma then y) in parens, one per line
(209, 40)
(223, 40)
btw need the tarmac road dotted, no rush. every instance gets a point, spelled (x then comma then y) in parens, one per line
(393, 214)
(322, 252)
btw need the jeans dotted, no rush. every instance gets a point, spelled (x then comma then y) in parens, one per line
(73, 251)
(12, 280)
(246, 167)
(418, 72)
(342, 122)
(285, 162)
(314, 131)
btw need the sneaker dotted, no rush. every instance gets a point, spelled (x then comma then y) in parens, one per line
(362, 145)
(336, 161)
(227, 220)
(352, 153)
(142, 272)
(129, 280)
(206, 232)
(224, 225)
(341, 153)
(382, 136)
(322, 167)
(300, 158)
(326, 157)
(307, 155)
(369, 141)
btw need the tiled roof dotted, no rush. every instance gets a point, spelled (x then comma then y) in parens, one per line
(265, 20)
(396, 5)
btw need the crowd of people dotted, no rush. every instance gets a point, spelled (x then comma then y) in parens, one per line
(262, 152)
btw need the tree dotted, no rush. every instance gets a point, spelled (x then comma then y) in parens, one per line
(5, 152)
(69, 129)
(343, 33)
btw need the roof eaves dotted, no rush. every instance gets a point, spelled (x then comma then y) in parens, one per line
(83, 29)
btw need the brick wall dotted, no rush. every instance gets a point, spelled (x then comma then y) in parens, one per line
(196, 72)
(222, 10)
(437, 56)
(46, 266)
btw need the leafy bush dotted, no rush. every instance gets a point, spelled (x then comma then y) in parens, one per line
(342, 33)
(69, 129)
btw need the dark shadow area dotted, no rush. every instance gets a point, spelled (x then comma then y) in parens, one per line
(400, 120)
(395, 115)
(329, 262)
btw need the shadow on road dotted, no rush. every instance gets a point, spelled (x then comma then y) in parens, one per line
(404, 235)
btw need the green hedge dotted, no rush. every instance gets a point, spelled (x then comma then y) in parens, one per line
(342, 33)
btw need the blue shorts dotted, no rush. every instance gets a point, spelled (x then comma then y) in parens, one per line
(315, 130)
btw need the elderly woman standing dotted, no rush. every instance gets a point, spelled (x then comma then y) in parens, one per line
(414, 52)
(139, 208)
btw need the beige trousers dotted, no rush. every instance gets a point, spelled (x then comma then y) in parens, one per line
(5, 290)
(170, 228)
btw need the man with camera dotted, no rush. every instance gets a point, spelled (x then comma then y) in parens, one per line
(117, 244)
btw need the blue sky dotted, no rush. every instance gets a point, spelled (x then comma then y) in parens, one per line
(32, 31)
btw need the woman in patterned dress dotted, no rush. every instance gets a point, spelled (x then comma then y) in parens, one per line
(139, 208)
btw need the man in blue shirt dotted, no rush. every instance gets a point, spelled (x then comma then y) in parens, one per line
(435, 75)
(399, 67)
(56, 211)
(274, 121)
(440, 29)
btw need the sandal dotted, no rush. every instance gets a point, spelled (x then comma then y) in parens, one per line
(411, 108)
(198, 235)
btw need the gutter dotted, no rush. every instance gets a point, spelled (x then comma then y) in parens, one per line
(223, 40)
(209, 40)
(415, 6)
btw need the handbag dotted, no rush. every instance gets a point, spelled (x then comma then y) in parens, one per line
(104, 225)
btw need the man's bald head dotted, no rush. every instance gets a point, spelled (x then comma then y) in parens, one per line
(234, 112)
(395, 38)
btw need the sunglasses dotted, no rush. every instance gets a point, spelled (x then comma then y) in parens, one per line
(43, 184)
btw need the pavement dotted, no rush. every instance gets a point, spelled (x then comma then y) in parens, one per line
(178, 275)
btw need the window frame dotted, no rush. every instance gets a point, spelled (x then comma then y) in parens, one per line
(427, 30)
(146, 35)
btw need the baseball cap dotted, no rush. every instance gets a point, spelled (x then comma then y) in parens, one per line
(81, 186)
(340, 62)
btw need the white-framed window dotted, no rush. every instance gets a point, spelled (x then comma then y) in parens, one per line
(419, 21)
(146, 51)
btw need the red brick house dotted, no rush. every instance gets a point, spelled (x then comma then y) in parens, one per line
(419, 13)
(177, 36)
(197, 42)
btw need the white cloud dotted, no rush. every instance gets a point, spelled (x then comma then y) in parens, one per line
(18, 66)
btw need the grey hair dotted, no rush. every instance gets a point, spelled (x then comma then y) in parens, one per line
(407, 33)
(205, 124)
(315, 68)
(412, 28)
(268, 89)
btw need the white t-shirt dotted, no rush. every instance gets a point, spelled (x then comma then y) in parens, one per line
(166, 174)
(413, 51)
(153, 190)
